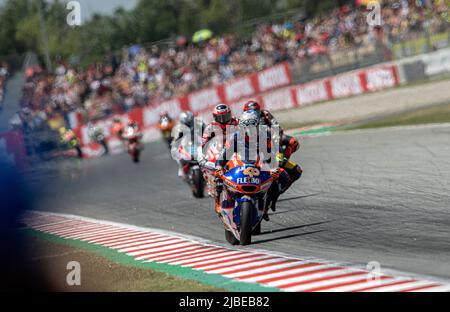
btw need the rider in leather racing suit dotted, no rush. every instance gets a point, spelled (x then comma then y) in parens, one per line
(132, 134)
(248, 124)
(221, 119)
(186, 120)
(288, 144)
(117, 128)
(165, 125)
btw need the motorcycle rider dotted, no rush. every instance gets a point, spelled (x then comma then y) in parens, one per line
(186, 120)
(67, 136)
(132, 129)
(96, 134)
(117, 128)
(165, 125)
(249, 123)
(288, 144)
(221, 119)
(132, 133)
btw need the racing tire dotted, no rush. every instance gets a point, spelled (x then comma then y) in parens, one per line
(198, 187)
(246, 223)
(230, 238)
(105, 147)
(136, 156)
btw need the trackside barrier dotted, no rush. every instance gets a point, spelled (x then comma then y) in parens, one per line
(273, 88)
(424, 66)
(277, 98)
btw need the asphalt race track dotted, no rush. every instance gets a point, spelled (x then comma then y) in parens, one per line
(381, 195)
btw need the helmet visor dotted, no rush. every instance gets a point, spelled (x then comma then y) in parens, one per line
(223, 118)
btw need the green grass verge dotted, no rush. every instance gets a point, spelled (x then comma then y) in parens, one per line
(215, 280)
(434, 114)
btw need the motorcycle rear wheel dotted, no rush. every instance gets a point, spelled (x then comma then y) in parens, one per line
(136, 156)
(246, 223)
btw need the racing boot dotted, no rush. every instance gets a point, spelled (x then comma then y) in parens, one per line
(295, 172)
(276, 189)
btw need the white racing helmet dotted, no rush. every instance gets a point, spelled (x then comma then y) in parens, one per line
(187, 118)
(249, 119)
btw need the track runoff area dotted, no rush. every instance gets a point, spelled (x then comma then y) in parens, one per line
(236, 269)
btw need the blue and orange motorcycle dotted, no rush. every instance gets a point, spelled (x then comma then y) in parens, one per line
(245, 198)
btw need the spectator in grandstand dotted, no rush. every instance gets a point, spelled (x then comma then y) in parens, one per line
(152, 75)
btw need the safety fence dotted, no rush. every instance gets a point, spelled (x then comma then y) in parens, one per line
(276, 89)
(284, 96)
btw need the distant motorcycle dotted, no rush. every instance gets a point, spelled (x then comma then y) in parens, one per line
(73, 142)
(191, 169)
(133, 136)
(100, 138)
(96, 134)
(244, 199)
(165, 126)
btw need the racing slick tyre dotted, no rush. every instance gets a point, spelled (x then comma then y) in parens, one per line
(230, 238)
(105, 147)
(136, 156)
(257, 229)
(198, 186)
(246, 223)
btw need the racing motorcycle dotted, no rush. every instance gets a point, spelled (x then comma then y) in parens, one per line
(165, 126)
(96, 134)
(74, 143)
(244, 199)
(192, 173)
(133, 137)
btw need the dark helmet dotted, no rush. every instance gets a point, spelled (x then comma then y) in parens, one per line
(133, 124)
(164, 114)
(222, 113)
(252, 105)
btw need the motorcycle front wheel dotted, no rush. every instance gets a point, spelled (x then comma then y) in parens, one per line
(105, 147)
(79, 152)
(246, 223)
(136, 155)
(198, 187)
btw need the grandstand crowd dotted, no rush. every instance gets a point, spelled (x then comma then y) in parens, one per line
(143, 76)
